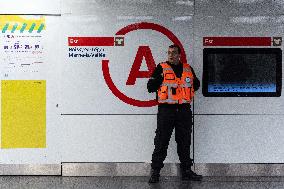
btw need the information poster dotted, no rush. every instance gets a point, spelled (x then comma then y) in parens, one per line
(22, 48)
(23, 94)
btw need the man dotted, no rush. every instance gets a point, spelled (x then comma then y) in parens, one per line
(175, 83)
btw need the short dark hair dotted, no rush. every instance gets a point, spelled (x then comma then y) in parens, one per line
(176, 46)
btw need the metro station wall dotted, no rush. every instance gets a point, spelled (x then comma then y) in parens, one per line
(237, 129)
(116, 131)
(46, 71)
(86, 122)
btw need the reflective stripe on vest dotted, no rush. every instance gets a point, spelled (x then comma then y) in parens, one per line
(176, 90)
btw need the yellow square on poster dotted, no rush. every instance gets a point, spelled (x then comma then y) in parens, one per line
(23, 114)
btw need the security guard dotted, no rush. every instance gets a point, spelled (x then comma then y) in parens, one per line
(175, 83)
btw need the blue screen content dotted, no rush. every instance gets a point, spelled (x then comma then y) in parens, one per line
(241, 88)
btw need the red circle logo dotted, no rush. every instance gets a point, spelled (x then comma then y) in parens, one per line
(105, 67)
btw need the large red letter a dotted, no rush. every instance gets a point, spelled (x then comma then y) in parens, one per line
(143, 51)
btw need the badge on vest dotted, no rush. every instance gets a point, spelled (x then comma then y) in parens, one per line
(170, 76)
(187, 80)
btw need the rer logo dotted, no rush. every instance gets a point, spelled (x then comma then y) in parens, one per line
(142, 52)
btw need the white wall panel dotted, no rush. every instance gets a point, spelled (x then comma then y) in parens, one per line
(111, 138)
(77, 85)
(225, 26)
(84, 89)
(239, 7)
(30, 7)
(239, 139)
(129, 7)
(81, 96)
(227, 137)
(50, 72)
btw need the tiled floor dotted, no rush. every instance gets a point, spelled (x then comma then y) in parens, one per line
(50, 182)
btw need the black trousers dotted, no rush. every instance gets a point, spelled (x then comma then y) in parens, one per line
(178, 117)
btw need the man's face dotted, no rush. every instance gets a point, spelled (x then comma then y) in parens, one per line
(173, 55)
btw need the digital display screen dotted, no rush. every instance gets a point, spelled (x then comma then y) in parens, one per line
(242, 72)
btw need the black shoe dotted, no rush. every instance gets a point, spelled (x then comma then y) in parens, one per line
(190, 175)
(154, 177)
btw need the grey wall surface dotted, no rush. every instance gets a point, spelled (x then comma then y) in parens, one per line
(237, 129)
(49, 71)
(112, 130)
(90, 124)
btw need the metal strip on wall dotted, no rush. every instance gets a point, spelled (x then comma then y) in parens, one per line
(170, 169)
(30, 169)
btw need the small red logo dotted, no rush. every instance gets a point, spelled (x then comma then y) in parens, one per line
(119, 41)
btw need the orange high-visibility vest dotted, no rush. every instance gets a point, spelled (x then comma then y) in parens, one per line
(176, 90)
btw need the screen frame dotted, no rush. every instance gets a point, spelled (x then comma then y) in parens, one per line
(277, 51)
